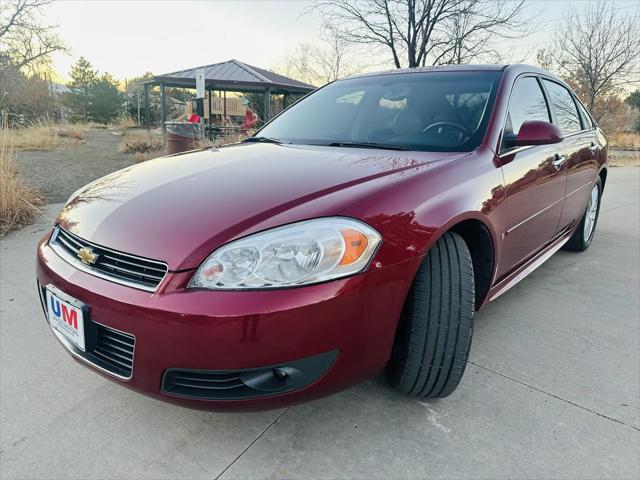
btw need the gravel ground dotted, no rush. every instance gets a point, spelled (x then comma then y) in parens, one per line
(624, 158)
(58, 173)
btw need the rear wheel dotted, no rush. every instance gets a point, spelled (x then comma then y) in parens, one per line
(582, 237)
(434, 334)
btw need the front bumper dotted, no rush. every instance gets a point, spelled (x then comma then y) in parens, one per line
(349, 323)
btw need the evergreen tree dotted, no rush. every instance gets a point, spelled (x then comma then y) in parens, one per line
(83, 81)
(106, 100)
(93, 97)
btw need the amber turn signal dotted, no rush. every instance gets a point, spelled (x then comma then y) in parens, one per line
(355, 245)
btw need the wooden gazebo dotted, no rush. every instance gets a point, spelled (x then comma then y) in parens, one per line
(229, 76)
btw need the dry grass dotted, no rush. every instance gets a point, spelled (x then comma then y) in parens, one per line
(43, 136)
(233, 137)
(228, 139)
(126, 122)
(146, 146)
(71, 133)
(141, 142)
(627, 140)
(18, 201)
(143, 157)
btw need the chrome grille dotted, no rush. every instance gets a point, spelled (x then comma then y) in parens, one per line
(116, 266)
(113, 351)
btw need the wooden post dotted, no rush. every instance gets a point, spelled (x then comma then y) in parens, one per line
(163, 111)
(267, 105)
(210, 115)
(147, 112)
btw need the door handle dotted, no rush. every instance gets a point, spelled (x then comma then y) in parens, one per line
(558, 160)
(593, 147)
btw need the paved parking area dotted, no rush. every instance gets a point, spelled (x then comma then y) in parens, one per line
(552, 389)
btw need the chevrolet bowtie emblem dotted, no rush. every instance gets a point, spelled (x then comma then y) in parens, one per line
(87, 256)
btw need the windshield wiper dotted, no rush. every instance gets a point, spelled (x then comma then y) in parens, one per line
(263, 140)
(383, 146)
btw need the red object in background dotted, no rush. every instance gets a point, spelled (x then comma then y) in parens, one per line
(194, 118)
(250, 119)
(184, 208)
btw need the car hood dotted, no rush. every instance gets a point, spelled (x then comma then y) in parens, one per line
(178, 209)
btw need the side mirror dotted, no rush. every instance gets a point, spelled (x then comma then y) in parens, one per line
(535, 132)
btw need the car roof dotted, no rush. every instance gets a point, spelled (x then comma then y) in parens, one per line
(515, 68)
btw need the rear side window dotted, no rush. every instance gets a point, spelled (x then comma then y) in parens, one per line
(564, 108)
(587, 123)
(527, 103)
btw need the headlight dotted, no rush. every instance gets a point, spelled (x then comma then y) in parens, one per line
(298, 254)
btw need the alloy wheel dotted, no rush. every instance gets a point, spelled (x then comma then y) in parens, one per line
(592, 213)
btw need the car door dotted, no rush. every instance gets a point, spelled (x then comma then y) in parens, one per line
(534, 179)
(581, 146)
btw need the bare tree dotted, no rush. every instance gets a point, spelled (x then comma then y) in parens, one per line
(599, 51)
(418, 32)
(334, 60)
(321, 64)
(298, 65)
(545, 58)
(475, 32)
(24, 41)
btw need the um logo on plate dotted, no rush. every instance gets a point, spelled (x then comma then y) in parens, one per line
(68, 316)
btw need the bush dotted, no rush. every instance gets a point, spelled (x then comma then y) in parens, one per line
(18, 201)
(71, 133)
(141, 142)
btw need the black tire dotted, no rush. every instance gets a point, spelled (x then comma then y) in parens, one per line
(434, 334)
(579, 242)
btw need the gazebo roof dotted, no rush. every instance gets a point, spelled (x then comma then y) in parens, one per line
(230, 74)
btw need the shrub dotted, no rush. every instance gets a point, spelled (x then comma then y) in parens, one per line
(71, 133)
(141, 142)
(18, 201)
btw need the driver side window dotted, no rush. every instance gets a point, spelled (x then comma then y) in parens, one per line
(527, 103)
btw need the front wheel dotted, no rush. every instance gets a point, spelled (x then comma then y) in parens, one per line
(582, 237)
(434, 334)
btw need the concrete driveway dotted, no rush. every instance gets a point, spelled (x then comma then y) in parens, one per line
(552, 389)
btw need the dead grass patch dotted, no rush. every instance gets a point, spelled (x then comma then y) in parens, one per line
(126, 122)
(19, 202)
(141, 142)
(146, 146)
(233, 137)
(43, 136)
(628, 140)
(143, 157)
(228, 139)
(71, 133)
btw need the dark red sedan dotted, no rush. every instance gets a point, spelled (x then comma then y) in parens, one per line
(359, 230)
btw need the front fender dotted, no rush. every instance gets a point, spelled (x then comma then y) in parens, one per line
(413, 214)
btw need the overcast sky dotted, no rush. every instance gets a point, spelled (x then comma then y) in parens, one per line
(128, 38)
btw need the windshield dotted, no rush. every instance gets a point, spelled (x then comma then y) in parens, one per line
(431, 111)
